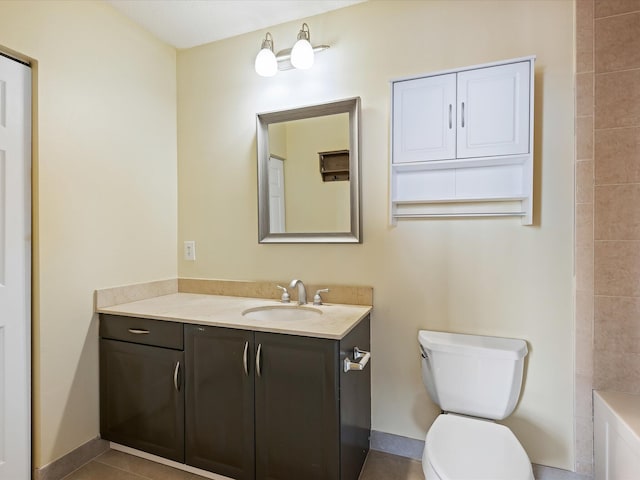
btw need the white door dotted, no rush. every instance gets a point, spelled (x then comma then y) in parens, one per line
(15, 270)
(276, 195)
(493, 111)
(424, 119)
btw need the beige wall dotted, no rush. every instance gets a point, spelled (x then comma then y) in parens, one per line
(106, 196)
(485, 276)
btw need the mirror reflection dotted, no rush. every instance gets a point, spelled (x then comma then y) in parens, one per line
(308, 182)
(308, 174)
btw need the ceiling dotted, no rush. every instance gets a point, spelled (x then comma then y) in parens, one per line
(188, 23)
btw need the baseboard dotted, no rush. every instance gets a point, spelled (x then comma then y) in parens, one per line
(412, 448)
(396, 444)
(72, 461)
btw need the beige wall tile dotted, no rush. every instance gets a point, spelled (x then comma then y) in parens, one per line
(584, 181)
(584, 333)
(617, 155)
(584, 396)
(605, 8)
(584, 224)
(584, 36)
(617, 99)
(584, 269)
(584, 138)
(617, 43)
(617, 371)
(617, 268)
(584, 439)
(617, 324)
(617, 216)
(584, 94)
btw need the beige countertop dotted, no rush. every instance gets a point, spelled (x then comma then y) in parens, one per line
(335, 321)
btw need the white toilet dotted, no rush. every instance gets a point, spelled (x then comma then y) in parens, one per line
(475, 380)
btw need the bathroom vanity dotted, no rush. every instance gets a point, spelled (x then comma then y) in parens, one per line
(188, 378)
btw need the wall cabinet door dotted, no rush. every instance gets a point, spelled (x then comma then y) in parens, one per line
(493, 111)
(219, 400)
(296, 408)
(424, 119)
(141, 397)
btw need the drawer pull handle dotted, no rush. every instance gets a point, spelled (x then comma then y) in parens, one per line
(450, 116)
(176, 374)
(357, 355)
(258, 357)
(462, 114)
(245, 358)
(138, 331)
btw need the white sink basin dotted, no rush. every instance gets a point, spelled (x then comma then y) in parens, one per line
(282, 312)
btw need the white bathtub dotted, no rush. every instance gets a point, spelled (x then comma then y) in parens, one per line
(616, 435)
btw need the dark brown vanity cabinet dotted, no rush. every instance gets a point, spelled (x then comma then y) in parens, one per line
(141, 385)
(266, 406)
(219, 398)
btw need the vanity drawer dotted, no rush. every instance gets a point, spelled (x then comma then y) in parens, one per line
(145, 331)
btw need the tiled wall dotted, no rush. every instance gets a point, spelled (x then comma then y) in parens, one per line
(607, 207)
(617, 196)
(584, 245)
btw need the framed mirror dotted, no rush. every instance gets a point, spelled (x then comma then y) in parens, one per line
(309, 174)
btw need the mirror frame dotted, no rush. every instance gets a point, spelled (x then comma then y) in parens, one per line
(350, 106)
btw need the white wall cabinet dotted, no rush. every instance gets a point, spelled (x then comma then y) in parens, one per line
(462, 142)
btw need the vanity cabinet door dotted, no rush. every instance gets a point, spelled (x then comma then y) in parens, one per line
(219, 399)
(142, 398)
(296, 408)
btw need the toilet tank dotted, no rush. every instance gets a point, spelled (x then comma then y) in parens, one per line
(473, 375)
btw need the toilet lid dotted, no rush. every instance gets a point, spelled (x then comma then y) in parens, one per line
(463, 448)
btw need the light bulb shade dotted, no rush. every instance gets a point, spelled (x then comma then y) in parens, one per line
(302, 54)
(266, 64)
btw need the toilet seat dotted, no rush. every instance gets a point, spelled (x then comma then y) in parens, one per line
(464, 448)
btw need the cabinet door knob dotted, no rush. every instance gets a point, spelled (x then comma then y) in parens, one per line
(258, 359)
(245, 358)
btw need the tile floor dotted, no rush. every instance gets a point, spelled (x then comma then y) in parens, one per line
(114, 465)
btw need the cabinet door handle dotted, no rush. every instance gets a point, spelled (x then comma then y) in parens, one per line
(176, 373)
(462, 114)
(450, 116)
(245, 358)
(138, 331)
(258, 357)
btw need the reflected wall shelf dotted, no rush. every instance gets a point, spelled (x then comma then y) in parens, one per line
(462, 143)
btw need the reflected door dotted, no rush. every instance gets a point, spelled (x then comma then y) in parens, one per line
(276, 195)
(15, 268)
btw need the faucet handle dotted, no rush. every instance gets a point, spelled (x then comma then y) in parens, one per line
(285, 295)
(317, 299)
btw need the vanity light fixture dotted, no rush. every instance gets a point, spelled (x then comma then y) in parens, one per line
(301, 56)
(302, 51)
(266, 64)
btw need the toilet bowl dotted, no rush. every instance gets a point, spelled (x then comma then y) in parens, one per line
(465, 448)
(476, 380)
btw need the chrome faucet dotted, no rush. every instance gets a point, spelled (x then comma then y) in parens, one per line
(302, 292)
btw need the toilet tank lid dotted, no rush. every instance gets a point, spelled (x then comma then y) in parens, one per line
(479, 345)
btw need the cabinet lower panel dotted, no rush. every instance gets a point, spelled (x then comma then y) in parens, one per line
(141, 397)
(219, 399)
